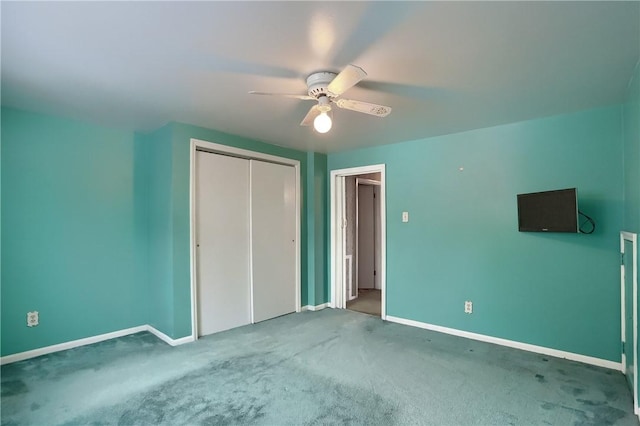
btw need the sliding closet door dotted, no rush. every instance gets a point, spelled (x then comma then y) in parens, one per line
(273, 233)
(222, 241)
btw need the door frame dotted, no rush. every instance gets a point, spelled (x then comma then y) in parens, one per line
(215, 148)
(376, 218)
(337, 234)
(633, 238)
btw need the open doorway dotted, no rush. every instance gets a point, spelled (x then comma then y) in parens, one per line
(363, 242)
(358, 240)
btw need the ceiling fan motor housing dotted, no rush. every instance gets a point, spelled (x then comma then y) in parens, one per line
(317, 83)
(326, 87)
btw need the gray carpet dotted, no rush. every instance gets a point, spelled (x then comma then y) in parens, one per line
(327, 367)
(369, 301)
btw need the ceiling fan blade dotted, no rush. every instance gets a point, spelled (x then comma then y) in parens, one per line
(314, 111)
(285, 95)
(365, 107)
(348, 77)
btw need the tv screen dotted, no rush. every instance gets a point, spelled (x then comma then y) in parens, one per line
(549, 211)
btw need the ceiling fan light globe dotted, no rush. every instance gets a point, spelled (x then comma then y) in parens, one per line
(322, 123)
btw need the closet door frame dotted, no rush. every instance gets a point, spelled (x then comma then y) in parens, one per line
(200, 145)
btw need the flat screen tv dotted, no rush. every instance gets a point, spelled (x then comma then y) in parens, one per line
(548, 211)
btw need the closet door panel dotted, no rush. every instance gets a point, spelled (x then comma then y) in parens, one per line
(223, 250)
(273, 219)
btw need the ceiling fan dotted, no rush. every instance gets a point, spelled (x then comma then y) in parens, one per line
(325, 87)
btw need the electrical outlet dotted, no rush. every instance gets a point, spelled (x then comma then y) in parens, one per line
(33, 319)
(405, 217)
(468, 307)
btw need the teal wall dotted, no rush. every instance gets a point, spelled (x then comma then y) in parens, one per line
(317, 288)
(69, 239)
(462, 242)
(95, 227)
(320, 229)
(308, 291)
(156, 162)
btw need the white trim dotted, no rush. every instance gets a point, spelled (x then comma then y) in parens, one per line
(623, 310)
(250, 155)
(315, 308)
(633, 238)
(336, 204)
(296, 165)
(250, 264)
(337, 189)
(173, 342)
(21, 356)
(356, 246)
(348, 279)
(70, 345)
(192, 241)
(361, 181)
(510, 343)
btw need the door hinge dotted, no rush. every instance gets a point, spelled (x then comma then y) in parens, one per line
(623, 348)
(622, 258)
(374, 272)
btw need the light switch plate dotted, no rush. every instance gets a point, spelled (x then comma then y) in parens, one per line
(405, 216)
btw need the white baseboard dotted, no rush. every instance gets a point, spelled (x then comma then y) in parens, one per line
(314, 308)
(511, 343)
(173, 342)
(8, 359)
(70, 345)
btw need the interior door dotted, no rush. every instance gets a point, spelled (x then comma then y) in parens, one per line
(222, 242)
(366, 237)
(627, 268)
(273, 210)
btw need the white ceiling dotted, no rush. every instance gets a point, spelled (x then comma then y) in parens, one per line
(443, 67)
